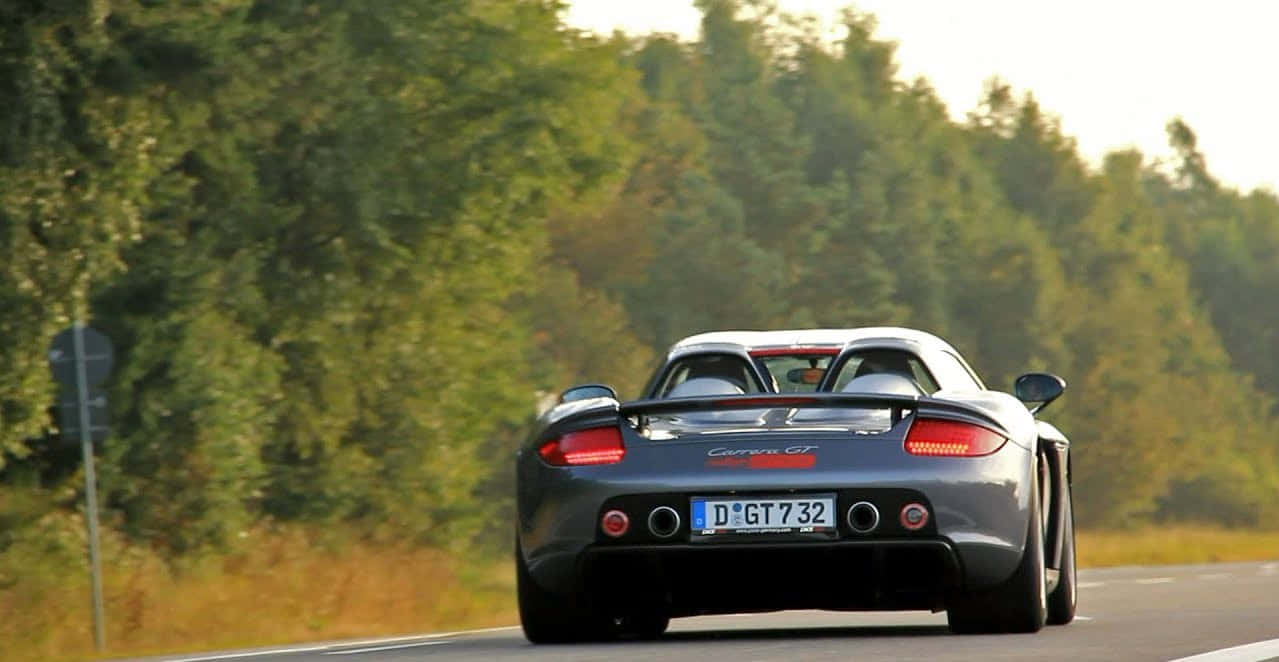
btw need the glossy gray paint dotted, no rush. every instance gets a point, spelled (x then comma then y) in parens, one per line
(981, 505)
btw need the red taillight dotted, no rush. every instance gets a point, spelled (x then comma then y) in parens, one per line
(615, 523)
(951, 438)
(914, 516)
(594, 446)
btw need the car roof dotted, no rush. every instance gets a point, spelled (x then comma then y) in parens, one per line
(753, 340)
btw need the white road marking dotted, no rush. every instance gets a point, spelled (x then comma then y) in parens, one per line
(312, 648)
(1269, 568)
(1084, 618)
(1215, 575)
(374, 649)
(1091, 584)
(232, 656)
(1156, 580)
(441, 635)
(1254, 652)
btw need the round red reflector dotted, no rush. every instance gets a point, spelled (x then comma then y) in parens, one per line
(615, 523)
(914, 516)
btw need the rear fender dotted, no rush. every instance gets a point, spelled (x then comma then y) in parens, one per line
(1054, 452)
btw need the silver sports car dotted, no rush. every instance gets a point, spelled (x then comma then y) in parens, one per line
(855, 469)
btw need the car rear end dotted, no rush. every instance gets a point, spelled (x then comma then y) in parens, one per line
(783, 513)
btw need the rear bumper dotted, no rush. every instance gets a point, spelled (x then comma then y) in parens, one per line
(983, 526)
(691, 579)
(980, 506)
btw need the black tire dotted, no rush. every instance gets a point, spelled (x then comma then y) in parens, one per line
(1063, 600)
(547, 618)
(1017, 605)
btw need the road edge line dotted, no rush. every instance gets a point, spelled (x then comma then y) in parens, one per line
(323, 646)
(1254, 652)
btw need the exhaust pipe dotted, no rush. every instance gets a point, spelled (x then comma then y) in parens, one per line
(663, 522)
(863, 517)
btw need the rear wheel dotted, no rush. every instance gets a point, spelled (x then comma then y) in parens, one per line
(1017, 605)
(1063, 599)
(548, 618)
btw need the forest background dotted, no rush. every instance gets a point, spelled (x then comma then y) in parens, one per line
(344, 249)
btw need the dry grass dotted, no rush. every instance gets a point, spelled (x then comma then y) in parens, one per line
(280, 591)
(285, 588)
(1159, 545)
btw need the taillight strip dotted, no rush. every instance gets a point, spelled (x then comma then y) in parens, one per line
(584, 447)
(945, 438)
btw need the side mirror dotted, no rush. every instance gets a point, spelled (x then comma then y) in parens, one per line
(588, 391)
(1038, 387)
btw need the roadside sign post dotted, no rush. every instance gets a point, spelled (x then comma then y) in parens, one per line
(88, 363)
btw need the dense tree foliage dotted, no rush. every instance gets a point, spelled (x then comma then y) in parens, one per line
(345, 248)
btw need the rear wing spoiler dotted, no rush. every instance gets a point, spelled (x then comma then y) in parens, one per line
(898, 404)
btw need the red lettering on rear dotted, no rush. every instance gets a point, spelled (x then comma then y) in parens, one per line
(802, 461)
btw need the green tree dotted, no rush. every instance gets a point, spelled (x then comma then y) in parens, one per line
(79, 146)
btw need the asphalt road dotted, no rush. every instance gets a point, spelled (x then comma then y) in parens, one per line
(1135, 613)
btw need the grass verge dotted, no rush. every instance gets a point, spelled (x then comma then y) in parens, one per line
(1178, 543)
(283, 589)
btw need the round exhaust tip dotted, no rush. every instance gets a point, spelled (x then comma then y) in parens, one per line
(615, 523)
(863, 517)
(663, 522)
(914, 516)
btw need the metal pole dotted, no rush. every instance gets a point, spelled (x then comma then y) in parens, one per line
(90, 488)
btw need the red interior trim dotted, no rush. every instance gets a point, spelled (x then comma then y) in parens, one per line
(767, 401)
(794, 351)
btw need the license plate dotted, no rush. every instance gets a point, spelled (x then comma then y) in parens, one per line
(719, 516)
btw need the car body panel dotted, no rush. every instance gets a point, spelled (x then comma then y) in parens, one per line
(980, 505)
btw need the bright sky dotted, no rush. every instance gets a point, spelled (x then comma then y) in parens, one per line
(1114, 71)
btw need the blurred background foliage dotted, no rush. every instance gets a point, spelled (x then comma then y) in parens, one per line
(343, 250)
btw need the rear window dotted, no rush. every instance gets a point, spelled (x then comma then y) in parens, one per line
(885, 361)
(708, 374)
(795, 373)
